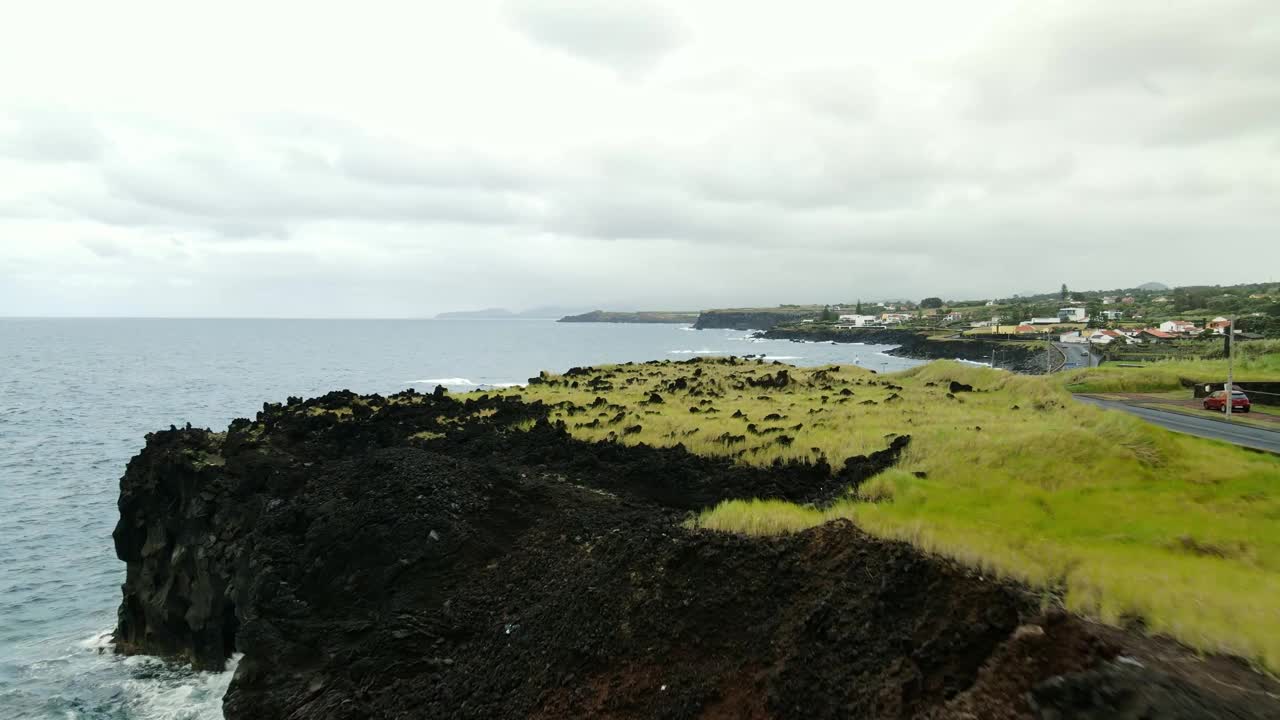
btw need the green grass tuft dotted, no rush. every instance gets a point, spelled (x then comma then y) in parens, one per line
(1120, 517)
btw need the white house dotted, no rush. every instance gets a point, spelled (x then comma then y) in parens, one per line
(1072, 314)
(1044, 321)
(1112, 314)
(952, 317)
(1073, 337)
(858, 320)
(1178, 326)
(1106, 337)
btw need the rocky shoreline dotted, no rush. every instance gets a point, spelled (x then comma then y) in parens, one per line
(419, 555)
(922, 346)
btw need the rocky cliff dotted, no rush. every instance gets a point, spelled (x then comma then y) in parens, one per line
(923, 346)
(643, 317)
(753, 318)
(418, 556)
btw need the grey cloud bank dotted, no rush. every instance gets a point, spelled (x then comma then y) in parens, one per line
(663, 155)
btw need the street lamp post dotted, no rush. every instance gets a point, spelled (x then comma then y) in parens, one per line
(1231, 341)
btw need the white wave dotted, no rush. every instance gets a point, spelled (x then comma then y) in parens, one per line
(783, 357)
(99, 641)
(156, 689)
(443, 381)
(502, 385)
(696, 352)
(688, 327)
(161, 694)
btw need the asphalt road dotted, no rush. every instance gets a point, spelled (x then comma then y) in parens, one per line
(1244, 435)
(1077, 355)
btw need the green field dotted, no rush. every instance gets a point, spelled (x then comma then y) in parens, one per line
(1111, 516)
(1256, 361)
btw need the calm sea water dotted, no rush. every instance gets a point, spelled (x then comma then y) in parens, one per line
(77, 397)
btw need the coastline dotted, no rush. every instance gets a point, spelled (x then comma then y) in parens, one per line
(919, 345)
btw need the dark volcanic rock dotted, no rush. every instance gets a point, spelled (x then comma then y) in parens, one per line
(918, 345)
(1127, 691)
(749, 319)
(416, 557)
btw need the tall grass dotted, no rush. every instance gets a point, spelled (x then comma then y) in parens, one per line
(1255, 360)
(1124, 518)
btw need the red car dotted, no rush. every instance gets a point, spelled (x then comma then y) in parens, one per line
(1218, 401)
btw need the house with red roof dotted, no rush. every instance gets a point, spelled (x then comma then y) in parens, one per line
(1106, 337)
(1179, 327)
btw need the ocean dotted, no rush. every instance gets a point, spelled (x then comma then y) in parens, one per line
(77, 397)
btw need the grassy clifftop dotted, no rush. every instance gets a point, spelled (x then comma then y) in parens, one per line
(1117, 518)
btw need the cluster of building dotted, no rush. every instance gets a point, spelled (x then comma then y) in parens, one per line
(881, 320)
(1168, 331)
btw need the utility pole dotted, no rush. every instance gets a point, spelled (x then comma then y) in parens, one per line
(1231, 340)
(1048, 357)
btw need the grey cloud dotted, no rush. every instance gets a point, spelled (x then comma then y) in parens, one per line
(846, 94)
(638, 213)
(1215, 117)
(232, 198)
(54, 136)
(836, 94)
(393, 163)
(1140, 71)
(106, 249)
(875, 171)
(627, 36)
(1152, 45)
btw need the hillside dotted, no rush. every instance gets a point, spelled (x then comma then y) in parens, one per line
(755, 318)
(642, 317)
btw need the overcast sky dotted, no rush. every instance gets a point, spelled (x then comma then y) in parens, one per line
(400, 159)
